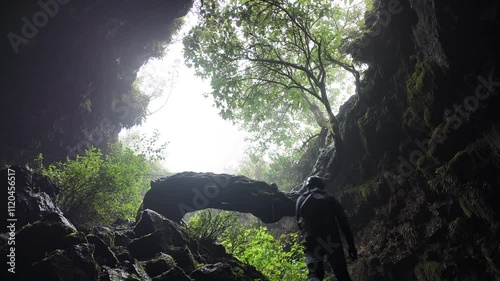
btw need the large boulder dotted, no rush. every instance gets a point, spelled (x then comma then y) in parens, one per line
(30, 195)
(185, 192)
(33, 241)
(73, 264)
(153, 223)
(156, 234)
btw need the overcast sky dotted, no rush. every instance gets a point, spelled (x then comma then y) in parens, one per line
(198, 139)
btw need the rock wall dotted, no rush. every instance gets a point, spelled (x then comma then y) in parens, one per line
(69, 68)
(420, 165)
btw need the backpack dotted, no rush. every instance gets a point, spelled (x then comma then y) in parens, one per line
(314, 209)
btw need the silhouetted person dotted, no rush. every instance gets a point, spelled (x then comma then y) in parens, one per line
(319, 216)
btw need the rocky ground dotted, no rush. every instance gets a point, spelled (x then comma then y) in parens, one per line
(49, 247)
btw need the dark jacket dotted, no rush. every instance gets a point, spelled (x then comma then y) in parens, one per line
(327, 218)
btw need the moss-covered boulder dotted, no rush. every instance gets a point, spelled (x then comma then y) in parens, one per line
(73, 264)
(215, 272)
(34, 195)
(102, 254)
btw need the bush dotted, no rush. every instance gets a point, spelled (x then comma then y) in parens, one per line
(211, 225)
(278, 259)
(257, 247)
(97, 188)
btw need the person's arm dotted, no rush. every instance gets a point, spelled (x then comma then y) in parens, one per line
(344, 226)
(297, 207)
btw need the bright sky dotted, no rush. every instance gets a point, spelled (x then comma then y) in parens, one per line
(198, 139)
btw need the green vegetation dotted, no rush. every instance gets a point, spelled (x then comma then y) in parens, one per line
(428, 271)
(410, 235)
(273, 64)
(361, 193)
(282, 169)
(278, 259)
(259, 248)
(455, 178)
(98, 188)
(211, 225)
(417, 113)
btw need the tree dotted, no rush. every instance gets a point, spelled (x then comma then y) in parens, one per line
(272, 63)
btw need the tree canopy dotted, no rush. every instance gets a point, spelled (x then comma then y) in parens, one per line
(273, 63)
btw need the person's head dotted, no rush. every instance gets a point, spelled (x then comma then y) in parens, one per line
(315, 182)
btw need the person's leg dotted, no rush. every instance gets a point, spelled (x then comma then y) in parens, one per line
(314, 262)
(339, 265)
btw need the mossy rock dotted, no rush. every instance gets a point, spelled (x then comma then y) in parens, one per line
(419, 99)
(72, 264)
(173, 274)
(183, 258)
(428, 271)
(159, 265)
(33, 241)
(102, 254)
(215, 272)
(105, 234)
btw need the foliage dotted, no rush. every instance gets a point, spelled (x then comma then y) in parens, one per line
(280, 168)
(428, 271)
(211, 225)
(455, 178)
(286, 167)
(97, 188)
(418, 100)
(278, 259)
(145, 146)
(273, 64)
(257, 247)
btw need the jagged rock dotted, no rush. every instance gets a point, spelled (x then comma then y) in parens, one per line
(123, 232)
(116, 274)
(159, 265)
(123, 237)
(72, 264)
(102, 254)
(122, 254)
(176, 195)
(146, 247)
(173, 274)
(215, 272)
(150, 245)
(73, 239)
(158, 234)
(153, 223)
(35, 240)
(34, 195)
(183, 257)
(104, 233)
